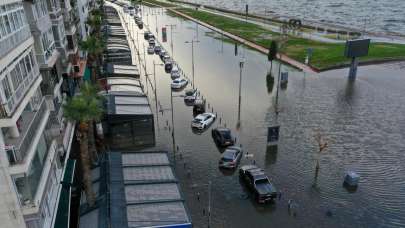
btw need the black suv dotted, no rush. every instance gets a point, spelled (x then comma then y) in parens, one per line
(222, 136)
(257, 181)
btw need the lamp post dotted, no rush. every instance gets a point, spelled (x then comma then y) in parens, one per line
(192, 56)
(241, 63)
(154, 79)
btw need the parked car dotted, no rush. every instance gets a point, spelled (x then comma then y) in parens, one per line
(203, 120)
(166, 58)
(231, 157)
(151, 50)
(199, 106)
(158, 49)
(147, 35)
(168, 66)
(152, 42)
(175, 73)
(257, 181)
(179, 83)
(222, 136)
(190, 95)
(162, 54)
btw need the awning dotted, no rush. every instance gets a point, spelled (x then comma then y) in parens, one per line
(63, 212)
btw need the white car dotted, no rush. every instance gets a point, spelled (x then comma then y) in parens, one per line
(179, 83)
(203, 120)
(175, 73)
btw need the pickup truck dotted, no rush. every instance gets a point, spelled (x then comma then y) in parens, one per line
(257, 181)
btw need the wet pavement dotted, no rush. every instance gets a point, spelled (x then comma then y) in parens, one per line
(363, 122)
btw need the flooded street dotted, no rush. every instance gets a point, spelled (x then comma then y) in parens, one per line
(363, 122)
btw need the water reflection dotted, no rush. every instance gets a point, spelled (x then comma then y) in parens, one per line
(271, 155)
(269, 82)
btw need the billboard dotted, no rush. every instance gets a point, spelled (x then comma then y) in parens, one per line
(357, 48)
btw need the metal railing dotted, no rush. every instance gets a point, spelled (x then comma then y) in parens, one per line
(12, 41)
(19, 152)
(8, 107)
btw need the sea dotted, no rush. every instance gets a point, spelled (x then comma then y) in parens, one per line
(378, 16)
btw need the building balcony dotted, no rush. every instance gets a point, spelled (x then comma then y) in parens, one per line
(72, 46)
(18, 148)
(48, 58)
(55, 13)
(13, 40)
(70, 29)
(40, 25)
(7, 109)
(51, 82)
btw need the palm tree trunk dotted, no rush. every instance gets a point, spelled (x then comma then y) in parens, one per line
(92, 142)
(86, 163)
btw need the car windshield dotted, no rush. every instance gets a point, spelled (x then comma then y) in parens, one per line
(189, 92)
(196, 121)
(228, 156)
(262, 181)
(226, 134)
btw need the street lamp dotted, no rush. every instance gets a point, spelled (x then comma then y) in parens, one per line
(192, 56)
(154, 79)
(241, 63)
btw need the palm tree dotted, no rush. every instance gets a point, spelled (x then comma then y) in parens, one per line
(95, 21)
(84, 110)
(90, 93)
(94, 47)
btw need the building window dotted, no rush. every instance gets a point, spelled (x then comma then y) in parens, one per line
(11, 19)
(27, 63)
(27, 185)
(6, 87)
(7, 23)
(16, 77)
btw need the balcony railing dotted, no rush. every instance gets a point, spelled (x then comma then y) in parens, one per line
(8, 108)
(17, 148)
(44, 58)
(12, 41)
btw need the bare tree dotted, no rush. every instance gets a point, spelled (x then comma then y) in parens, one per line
(322, 143)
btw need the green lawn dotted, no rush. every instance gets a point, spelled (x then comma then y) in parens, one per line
(325, 55)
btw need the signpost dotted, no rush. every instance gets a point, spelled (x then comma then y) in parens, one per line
(353, 50)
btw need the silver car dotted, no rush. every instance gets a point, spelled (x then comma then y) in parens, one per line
(231, 157)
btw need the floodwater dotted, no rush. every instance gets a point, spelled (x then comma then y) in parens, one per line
(377, 15)
(363, 123)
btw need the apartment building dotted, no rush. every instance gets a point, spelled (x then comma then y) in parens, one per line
(39, 60)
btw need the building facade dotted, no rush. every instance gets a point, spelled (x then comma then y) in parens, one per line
(39, 61)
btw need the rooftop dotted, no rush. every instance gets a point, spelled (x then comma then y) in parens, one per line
(143, 192)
